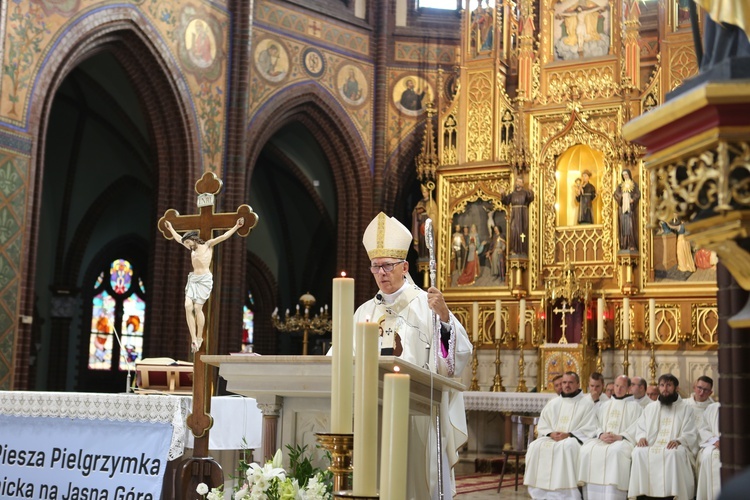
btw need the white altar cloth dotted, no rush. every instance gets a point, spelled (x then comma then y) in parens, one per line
(235, 418)
(511, 402)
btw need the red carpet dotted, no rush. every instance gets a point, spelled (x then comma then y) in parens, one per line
(484, 482)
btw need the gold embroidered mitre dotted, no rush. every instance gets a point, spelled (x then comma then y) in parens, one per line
(386, 237)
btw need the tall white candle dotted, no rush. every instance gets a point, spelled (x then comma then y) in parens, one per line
(366, 410)
(626, 318)
(342, 371)
(522, 322)
(652, 320)
(475, 321)
(498, 319)
(393, 445)
(600, 318)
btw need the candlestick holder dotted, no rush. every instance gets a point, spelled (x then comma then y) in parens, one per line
(625, 363)
(652, 365)
(340, 447)
(521, 369)
(474, 364)
(498, 385)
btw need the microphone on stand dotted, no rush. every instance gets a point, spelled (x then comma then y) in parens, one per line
(123, 353)
(379, 297)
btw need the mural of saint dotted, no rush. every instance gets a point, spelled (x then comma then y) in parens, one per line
(200, 43)
(410, 94)
(272, 60)
(352, 84)
(675, 259)
(581, 29)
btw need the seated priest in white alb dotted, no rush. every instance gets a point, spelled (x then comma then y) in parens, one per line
(596, 389)
(709, 460)
(701, 396)
(638, 390)
(418, 327)
(666, 442)
(604, 463)
(565, 424)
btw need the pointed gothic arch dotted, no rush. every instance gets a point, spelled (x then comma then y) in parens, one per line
(325, 119)
(172, 125)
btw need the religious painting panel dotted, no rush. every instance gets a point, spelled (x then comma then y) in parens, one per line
(556, 359)
(581, 29)
(678, 15)
(411, 93)
(271, 60)
(671, 258)
(201, 51)
(473, 231)
(482, 27)
(352, 85)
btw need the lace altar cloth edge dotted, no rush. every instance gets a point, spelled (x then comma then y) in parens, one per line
(516, 402)
(118, 407)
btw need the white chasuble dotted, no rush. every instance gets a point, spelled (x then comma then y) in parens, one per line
(609, 464)
(406, 321)
(657, 471)
(553, 465)
(709, 460)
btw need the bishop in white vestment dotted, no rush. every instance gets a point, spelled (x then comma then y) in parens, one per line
(709, 460)
(604, 463)
(666, 443)
(405, 314)
(565, 424)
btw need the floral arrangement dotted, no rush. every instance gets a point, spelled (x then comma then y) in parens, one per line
(272, 482)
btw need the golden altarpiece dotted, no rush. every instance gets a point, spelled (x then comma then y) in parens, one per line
(529, 126)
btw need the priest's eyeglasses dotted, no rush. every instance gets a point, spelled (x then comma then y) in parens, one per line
(387, 267)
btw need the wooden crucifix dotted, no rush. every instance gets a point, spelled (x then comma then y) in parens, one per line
(563, 326)
(205, 223)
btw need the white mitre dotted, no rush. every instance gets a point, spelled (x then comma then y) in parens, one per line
(386, 237)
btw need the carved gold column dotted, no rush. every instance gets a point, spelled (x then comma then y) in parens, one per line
(526, 49)
(631, 36)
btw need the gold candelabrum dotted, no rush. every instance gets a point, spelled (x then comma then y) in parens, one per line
(521, 370)
(602, 344)
(652, 364)
(498, 385)
(474, 363)
(625, 345)
(340, 446)
(320, 324)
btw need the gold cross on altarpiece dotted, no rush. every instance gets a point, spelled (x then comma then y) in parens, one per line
(563, 326)
(206, 222)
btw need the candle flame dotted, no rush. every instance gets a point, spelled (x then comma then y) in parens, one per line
(396, 369)
(343, 274)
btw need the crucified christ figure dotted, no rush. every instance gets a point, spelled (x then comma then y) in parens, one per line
(200, 281)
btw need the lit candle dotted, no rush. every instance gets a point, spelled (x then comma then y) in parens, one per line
(522, 322)
(600, 318)
(366, 410)
(626, 318)
(475, 321)
(342, 337)
(393, 445)
(652, 320)
(498, 318)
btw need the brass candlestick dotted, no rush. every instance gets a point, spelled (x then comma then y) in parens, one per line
(652, 365)
(340, 447)
(498, 385)
(521, 369)
(474, 363)
(625, 362)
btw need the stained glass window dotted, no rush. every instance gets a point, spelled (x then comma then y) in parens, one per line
(247, 324)
(117, 309)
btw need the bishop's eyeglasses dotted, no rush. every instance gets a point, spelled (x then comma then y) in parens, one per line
(387, 267)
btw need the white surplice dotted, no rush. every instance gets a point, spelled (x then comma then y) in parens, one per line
(406, 314)
(644, 401)
(709, 459)
(606, 467)
(657, 471)
(552, 466)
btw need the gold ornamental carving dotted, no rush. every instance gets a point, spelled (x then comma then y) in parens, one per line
(704, 325)
(589, 84)
(479, 122)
